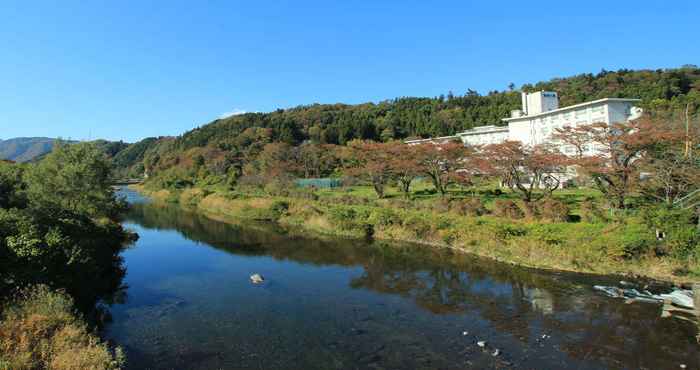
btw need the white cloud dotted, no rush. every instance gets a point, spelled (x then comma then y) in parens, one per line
(234, 112)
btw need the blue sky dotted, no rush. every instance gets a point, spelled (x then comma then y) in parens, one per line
(132, 69)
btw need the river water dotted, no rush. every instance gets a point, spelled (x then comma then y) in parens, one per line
(345, 304)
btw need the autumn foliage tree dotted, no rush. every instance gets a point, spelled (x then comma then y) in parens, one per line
(369, 160)
(532, 171)
(617, 154)
(444, 163)
(404, 161)
(672, 164)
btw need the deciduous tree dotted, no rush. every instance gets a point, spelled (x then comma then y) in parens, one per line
(445, 163)
(534, 172)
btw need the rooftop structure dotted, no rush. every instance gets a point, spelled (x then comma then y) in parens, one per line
(540, 116)
(433, 140)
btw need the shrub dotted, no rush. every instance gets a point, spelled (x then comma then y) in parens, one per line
(636, 240)
(419, 226)
(40, 330)
(384, 217)
(505, 231)
(554, 210)
(279, 207)
(507, 208)
(470, 207)
(591, 211)
(551, 234)
(348, 218)
(677, 230)
(529, 209)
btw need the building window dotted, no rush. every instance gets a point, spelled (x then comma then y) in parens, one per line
(598, 110)
(580, 113)
(567, 115)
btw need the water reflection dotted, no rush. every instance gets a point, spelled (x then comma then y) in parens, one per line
(350, 304)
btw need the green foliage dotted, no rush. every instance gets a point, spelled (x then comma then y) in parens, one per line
(11, 186)
(506, 231)
(384, 217)
(57, 225)
(662, 92)
(279, 207)
(418, 225)
(551, 234)
(349, 218)
(591, 211)
(75, 178)
(681, 237)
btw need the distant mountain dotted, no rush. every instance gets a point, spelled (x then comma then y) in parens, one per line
(24, 149)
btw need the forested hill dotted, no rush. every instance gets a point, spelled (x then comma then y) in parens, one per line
(23, 149)
(661, 91)
(29, 149)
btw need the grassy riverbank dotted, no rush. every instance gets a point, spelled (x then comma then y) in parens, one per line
(579, 243)
(40, 329)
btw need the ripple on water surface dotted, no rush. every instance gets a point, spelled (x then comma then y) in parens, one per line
(350, 304)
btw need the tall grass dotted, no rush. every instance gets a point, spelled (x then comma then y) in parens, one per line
(41, 330)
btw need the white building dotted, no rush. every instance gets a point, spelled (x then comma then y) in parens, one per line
(484, 135)
(436, 140)
(541, 115)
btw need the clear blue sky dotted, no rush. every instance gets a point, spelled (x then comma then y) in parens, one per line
(132, 69)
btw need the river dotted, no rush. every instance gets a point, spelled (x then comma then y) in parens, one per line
(349, 304)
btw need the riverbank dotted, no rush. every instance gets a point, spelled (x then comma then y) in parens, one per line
(587, 247)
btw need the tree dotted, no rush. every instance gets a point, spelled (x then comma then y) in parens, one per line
(534, 172)
(404, 161)
(371, 161)
(618, 148)
(444, 163)
(672, 164)
(76, 178)
(316, 160)
(11, 185)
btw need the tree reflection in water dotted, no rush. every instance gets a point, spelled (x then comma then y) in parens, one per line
(514, 304)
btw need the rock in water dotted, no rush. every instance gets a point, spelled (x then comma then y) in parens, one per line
(257, 279)
(681, 298)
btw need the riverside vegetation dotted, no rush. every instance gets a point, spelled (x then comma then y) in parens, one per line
(611, 221)
(60, 241)
(245, 166)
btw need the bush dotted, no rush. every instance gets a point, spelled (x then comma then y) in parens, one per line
(419, 226)
(279, 207)
(507, 209)
(554, 210)
(384, 217)
(471, 207)
(529, 209)
(551, 234)
(676, 229)
(40, 330)
(592, 212)
(349, 219)
(505, 231)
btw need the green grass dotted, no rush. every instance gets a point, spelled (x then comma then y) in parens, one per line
(623, 246)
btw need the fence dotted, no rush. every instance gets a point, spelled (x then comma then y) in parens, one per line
(319, 183)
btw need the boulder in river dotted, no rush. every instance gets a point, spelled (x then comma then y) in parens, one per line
(680, 298)
(257, 279)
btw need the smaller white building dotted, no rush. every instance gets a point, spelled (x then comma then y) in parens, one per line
(484, 135)
(540, 116)
(433, 140)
